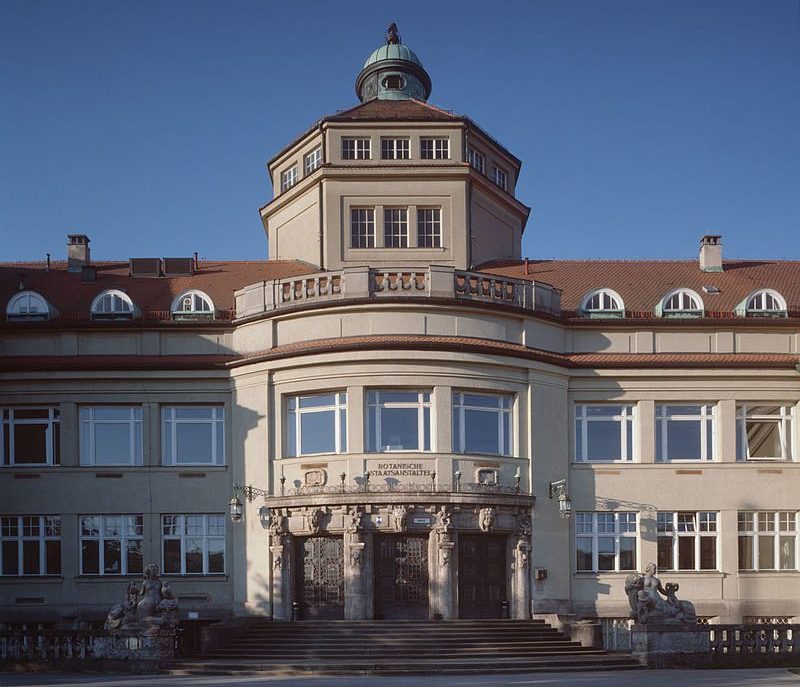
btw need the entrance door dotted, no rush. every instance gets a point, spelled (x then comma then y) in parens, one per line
(401, 576)
(481, 575)
(319, 586)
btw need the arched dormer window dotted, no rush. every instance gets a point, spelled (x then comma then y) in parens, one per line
(192, 305)
(27, 305)
(112, 305)
(765, 303)
(681, 303)
(603, 303)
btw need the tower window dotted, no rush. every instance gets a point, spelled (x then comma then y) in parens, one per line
(362, 227)
(394, 82)
(395, 149)
(434, 148)
(288, 178)
(476, 160)
(312, 160)
(429, 227)
(356, 149)
(395, 228)
(500, 178)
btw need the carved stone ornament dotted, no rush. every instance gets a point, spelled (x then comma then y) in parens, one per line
(400, 518)
(277, 560)
(443, 521)
(524, 525)
(277, 525)
(148, 605)
(649, 606)
(356, 557)
(392, 37)
(353, 519)
(444, 557)
(486, 519)
(314, 520)
(523, 557)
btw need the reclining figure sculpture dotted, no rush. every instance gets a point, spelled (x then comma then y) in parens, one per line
(649, 606)
(151, 604)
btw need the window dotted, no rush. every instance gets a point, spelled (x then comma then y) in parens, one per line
(482, 423)
(27, 305)
(429, 227)
(192, 305)
(193, 435)
(476, 160)
(434, 148)
(317, 424)
(768, 540)
(395, 149)
(687, 540)
(764, 432)
(288, 178)
(312, 160)
(604, 432)
(111, 435)
(603, 303)
(30, 436)
(394, 82)
(605, 542)
(111, 305)
(684, 432)
(194, 544)
(500, 178)
(111, 544)
(30, 545)
(395, 228)
(398, 421)
(362, 227)
(356, 149)
(682, 303)
(766, 303)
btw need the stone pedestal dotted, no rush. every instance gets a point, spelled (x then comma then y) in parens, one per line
(148, 646)
(356, 589)
(671, 646)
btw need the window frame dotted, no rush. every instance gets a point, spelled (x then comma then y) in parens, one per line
(429, 228)
(786, 420)
(628, 416)
(398, 148)
(361, 148)
(127, 313)
(205, 536)
(476, 160)
(15, 312)
(294, 418)
(707, 417)
(618, 534)
(500, 177)
(88, 422)
(44, 522)
(216, 422)
(52, 437)
(685, 297)
(436, 150)
(312, 160)
(763, 294)
(289, 177)
(676, 534)
(395, 230)
(505, 422)
(756, 533)
(374, 406)
(607, 297)
(365, 228)
(124, 538)
(195, 312)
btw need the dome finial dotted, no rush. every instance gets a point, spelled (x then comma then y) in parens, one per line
(392, 37)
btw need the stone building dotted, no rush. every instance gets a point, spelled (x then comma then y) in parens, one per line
(422, 406)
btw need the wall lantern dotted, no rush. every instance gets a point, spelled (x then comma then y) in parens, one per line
(558, 489)
(236, 509)
(235, 506)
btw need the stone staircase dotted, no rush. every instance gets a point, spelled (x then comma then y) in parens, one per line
(400, 648)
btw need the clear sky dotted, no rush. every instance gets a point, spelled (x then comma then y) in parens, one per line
(642, 124)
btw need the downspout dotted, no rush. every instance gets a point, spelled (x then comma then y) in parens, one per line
(322, 199)
(469, 201)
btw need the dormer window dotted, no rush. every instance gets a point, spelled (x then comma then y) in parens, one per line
(603, 303)
(682, 303)
(112, 305)
(192, 305)
(27, 305)
(394, 82)
(765, 303)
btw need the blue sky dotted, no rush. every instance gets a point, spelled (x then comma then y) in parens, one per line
(642, 124)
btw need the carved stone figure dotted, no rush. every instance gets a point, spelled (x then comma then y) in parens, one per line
(356, 558)
(486, 519)
(277, 525)
(353, 520)
(314, 520)
(151, 604)
(392, 37)
(400, 518)
(524, 525)
(649, 606)
(443, 521)
(444, 557)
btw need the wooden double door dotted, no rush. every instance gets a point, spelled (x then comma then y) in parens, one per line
(481, 575)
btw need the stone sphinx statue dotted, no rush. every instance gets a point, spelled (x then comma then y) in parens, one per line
(150, 604)
(652, 603)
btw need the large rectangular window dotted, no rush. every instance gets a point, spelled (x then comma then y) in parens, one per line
(111, 544)
(356, 149)
(30, 545)
(684, 432)
(764, 432)
(429, 227)
(434, 148)
(398, 421)
(30, 436)
(193, 435)
(482, 423)
(395, 228)
(362, 227)
(111, 435)
(193, 544)
(687, 540)
(317, 424)
(604, 433)
(395, 149)
(605, 542)
(312, 160)
(768, 540)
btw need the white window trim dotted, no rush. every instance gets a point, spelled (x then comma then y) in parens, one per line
(500, 178)
(604, 293)
(685, 294)
(339, 408)
(205, 536)
(476, 160)
(440, 147)
(786, 429)
(362, 148)
(435, 223)
(769, 312)
(289, 177)
(596, 534)
(128, 312)
(374, 418)
(676, 535)
(707, 416)
(391, 148)
(7, 425)
(88, 453)
(459, 406)
(403, 235)
(776, 534)
(123, 538)
(14, 308)
(629, 415)
(216, 420)
(42, 538)
(312, 160)
(370, 224)
(196, 295)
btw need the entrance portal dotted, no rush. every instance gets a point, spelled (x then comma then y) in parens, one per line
(481, 575)
(401, 576)
(319, 586)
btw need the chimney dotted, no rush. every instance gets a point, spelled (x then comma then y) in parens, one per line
(77, 252)
(711, 253)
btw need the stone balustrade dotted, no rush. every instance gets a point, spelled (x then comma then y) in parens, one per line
(761, 644)
(355, 283)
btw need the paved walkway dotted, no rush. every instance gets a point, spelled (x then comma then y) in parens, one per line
(644, 678)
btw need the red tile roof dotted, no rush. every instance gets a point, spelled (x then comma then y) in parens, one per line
(404, 110)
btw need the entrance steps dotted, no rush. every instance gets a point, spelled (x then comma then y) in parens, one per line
(400, 647)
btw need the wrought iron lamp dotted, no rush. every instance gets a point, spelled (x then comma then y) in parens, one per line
(558, 489)
(236, 507)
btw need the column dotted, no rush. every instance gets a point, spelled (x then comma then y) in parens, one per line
(521, 603)
(445, 601)
(280, 549)
(356, 588)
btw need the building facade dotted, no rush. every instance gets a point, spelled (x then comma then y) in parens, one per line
(402, 406)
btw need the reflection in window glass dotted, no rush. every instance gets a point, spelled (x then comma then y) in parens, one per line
(768, 540)
(30, 436)
(684, 432)
(605, 541)
(193, 544)
(687, 540)
(111, 544)
(111, 435)
(30, 545)
(604, 432)
(482, 423)
(192, 435)
(764, 432)
(317, 424)
(398, 421)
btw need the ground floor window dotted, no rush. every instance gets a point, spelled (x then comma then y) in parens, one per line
(605, 542)
(768, 540)
(193, 544)
(111, 544)
(30, 545)
(687, 540)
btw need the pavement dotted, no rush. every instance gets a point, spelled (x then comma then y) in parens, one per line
(643, 678)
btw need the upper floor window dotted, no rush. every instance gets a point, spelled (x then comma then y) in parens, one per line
(112, 544)
(362, 227)
(766, 303)
(768, 540)
(111, 305)
(434, 148)
(684, 432)
(687, 540)
(395, 149)
(191, 305)
(482, 423)
(27, 305)
(30, 545)
(395, 228)
(476, 160)
(603, 303)
(193, 435)
(312, 160)
(764, 432)
(317, 424)
(398, 421)
(604, 432)
(682, 303)
(111, 435)
(30, 436)
(193, 544)
(605, 541)
(356, 149)
(429, 227)
(500, 178)
(288, 178)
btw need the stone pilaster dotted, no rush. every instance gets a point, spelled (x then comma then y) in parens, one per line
(281, 578)
(445, 590)
(356, 589)
(521, 603)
